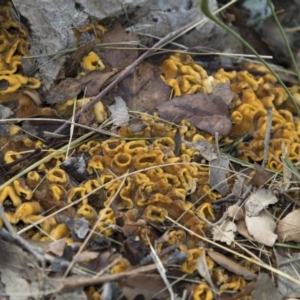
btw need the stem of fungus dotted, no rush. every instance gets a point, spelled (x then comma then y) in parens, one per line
(130, 69)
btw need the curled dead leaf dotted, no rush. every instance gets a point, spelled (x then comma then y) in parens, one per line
(258, 201)
(288, 228)
(204, 112)
(231, 265)
(262, 228)
(236, 212)
(224, 232)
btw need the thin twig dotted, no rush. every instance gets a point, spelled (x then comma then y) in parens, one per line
(267, 137)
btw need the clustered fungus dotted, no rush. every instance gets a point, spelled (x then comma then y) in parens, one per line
(254, 94)
(13, 46)
(145, 175)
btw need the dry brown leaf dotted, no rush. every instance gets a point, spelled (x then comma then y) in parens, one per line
(224, 232)
(224, 91)
(288, 228)
(87, 256)
(265, 289)
(143, 284)
(218, 170)
(231, 265)
(238, 186)
(236, 212)
(143, 89)
(258, 201)
(262, 228)
(205, 148)
(118, 58)
(93, 82)
(241, 228)
(204, 112)
(203, 269)
(261, 176)
(65, 90)
(57, 247)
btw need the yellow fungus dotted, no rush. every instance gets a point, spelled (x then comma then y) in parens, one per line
(76, 193)
(22, 189)
(33, 178)
(59, 232)
(55, 193)
(9, 192)
(95, 164)
(154, 214)
(92, 62)
(88, 212)
(113, 146)
(202, 292)
(121, 163)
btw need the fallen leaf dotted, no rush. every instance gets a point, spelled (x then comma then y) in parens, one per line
(203, 269)
(224, 232)
(119, 112)
(231, 265)
(57, 247)
(79, 228)
(218, 170)
(5, 113)
(261, 176)
(101, 261)
(14, 286)
(76, 166)
(205, 148)
(236, 212)
(143, 284)
(258, 201)
(135, 250)
(241, 228)
(238, 187)
(224, 91)
(265, 289)
(65, 90)
(93, 82)
(87, 256)
(143, 89)
(118, 58)
(288, 228)
(204, 112)
(286, 287)
(262, 228)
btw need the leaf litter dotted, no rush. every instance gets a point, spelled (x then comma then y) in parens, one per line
(123, 265)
